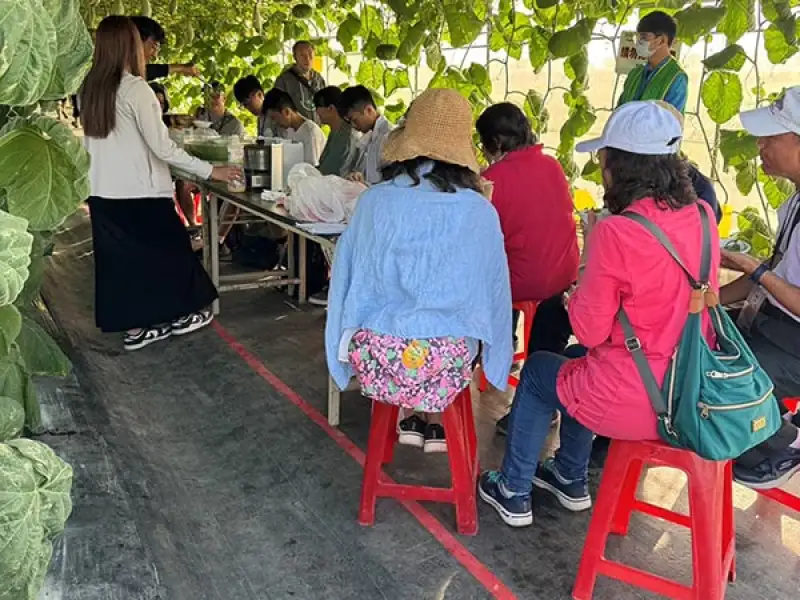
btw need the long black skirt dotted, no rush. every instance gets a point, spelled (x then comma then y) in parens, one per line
(145, 271)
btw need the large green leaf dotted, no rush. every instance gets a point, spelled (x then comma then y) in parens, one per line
(722, 96)
(777, 191)
(348, 31)
(28, 51)
(536, 112)
(408, 52)
(571, 41)
(433, 55)
(746, 177)
(778, 49)
(370, 73)
(10, 327)
(576, 67)
(695, 22)
(737, 147)
(74, 52)
(16, 383)
(41, 354)
(509, 33)
(739, 19)
(395, 80)
(731, 58)
(15, 251)
(592, 172)
(41, 180)
(538, 48)
(12, 418)
(463, 25)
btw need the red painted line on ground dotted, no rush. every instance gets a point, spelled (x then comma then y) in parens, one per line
(450, 543)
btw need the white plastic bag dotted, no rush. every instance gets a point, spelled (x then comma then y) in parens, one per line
(317, 197)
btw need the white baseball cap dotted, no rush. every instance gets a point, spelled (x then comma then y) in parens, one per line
(782, 116)
(640, 128)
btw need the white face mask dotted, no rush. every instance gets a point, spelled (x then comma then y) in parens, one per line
(643, 49)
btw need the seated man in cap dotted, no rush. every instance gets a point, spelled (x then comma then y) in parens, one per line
(222, 120)
(770, 317)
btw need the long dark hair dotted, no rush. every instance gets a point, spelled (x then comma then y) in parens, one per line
(664, 178)
(117, 49)
(444, 176)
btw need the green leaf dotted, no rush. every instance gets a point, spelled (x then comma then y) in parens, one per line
(746, 177)
(581, 119)
(576, 67)
(480, 77)
(15, 251)
(370, 73)
(591, 172)
(778, 49)
(15, 383)
(731, 58)
(348, 31)
(536, 112)
(571, 41)
(10, 326)
(394, 112)
(74, 49)
(28, 49)
(12, 418)
(722, 96)
(696, 22)
(41, 354)
(463, 25)
(408, 52)
(737, 147)
(433, 55)
(740, 17)
(776, 190)
(509, 32)
(41, 180)
(538, 48)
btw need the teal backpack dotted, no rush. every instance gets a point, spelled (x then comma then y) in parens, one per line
(716, 403)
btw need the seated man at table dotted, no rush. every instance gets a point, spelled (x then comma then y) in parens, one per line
(222, 120)
(770, 317)
(341, 150)
(358, 108)
(281, 109)
(250, 96)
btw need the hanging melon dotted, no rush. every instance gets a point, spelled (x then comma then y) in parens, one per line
(118, 8)
(173, 7)
(189, 33)
(258, 21)
(302, 11)
(147, 10)
(386, 51)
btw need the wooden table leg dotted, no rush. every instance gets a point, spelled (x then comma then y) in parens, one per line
(334, 401)
(302, 296)
(213, 242)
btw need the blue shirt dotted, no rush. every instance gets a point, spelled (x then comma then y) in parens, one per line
(419, 263)
(676, 94)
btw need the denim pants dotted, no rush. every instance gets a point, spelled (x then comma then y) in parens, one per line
(531, 413)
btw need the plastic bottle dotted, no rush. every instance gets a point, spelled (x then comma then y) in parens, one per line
(726, 223)
(236, 158)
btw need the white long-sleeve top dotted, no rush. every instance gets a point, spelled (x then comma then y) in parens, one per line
(133, 161)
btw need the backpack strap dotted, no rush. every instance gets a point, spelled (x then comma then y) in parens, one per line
(632, 342)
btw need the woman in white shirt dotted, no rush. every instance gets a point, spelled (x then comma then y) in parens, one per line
(148, 282)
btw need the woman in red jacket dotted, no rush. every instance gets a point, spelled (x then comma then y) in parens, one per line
(532, 197)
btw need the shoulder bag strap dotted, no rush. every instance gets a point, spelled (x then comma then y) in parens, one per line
(632, 342)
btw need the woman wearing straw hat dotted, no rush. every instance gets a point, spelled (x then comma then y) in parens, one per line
(625, 267)
(421, 276)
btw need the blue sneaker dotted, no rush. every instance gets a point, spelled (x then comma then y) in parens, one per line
(773, 472)
(572, 495)
(515, 510)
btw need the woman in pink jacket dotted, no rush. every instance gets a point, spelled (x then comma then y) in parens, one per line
(599, 390)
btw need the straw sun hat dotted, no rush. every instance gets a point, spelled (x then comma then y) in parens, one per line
(438, 126)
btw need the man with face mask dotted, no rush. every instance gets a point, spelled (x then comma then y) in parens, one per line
(661, 77)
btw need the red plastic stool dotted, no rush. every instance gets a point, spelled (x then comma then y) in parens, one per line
(710, 521)
(462, 450)
(528, 310)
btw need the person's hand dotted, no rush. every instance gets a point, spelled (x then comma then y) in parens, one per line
(737, 261)
(189, 70)
(357, 178)
(226, 173)
(568, 294)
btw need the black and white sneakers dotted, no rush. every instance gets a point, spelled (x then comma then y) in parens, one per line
(192, 322)
(183, 326)
(146, 336)
(415, 431)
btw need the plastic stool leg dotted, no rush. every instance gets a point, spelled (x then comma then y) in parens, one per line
(376, 449)
(393, 436)
(729, 523)
(705, 511)
(468, 423)
(627, 497)
(605, 507)
(463, 483)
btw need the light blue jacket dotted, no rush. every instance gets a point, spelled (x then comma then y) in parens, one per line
(419, 263)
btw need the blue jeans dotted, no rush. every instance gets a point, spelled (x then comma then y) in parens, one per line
(531, 413)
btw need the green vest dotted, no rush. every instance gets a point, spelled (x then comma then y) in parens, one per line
(656, 88)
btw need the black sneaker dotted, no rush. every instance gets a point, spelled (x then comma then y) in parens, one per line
(501, 428)
(770, 473)
(147, 336)
(412, 431)
(193, 322)
(320, 298)
(515, 510)
(572, 495)
(434, 438)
